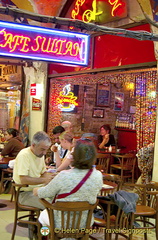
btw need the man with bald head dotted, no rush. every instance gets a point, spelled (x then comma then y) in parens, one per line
(67, 126)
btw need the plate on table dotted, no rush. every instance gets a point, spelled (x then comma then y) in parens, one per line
(107, 186)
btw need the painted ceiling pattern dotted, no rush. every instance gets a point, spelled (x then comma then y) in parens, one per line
(45, 7)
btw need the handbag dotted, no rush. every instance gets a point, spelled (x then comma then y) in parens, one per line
(75, 189)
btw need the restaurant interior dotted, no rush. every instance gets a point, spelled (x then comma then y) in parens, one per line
(125, 99)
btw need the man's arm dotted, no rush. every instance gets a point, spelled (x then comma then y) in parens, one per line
(44, 179)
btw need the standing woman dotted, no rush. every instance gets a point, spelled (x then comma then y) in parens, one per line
(13, 146)
(105, 139)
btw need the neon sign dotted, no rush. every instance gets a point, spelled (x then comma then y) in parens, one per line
(99, 11)
(66, 101)
(17, 40)
(89, 15)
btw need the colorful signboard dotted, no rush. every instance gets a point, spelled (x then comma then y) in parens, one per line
(66, 100)
(99, 11)
(31, 42)
(36, 104)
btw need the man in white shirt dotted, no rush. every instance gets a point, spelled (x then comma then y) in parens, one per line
(56, 133)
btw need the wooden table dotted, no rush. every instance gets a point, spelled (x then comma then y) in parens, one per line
(111, 153)
(5, 160)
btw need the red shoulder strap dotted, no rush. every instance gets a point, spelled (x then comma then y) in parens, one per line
(79, 185)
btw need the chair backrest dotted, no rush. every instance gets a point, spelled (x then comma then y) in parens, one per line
(152, 194)
(115, 218)
(113, 180)
(72, 217)
(129, 160)
(102, 163)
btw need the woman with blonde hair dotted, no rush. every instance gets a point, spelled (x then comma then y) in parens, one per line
(67, 142)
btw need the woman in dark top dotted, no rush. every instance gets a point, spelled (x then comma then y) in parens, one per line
(13, 146)
(105, 139)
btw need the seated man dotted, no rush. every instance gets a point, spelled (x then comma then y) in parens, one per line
(62, 152)
(30, 169)
(67, 126)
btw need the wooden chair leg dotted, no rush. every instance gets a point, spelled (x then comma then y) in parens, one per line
(2, 177)
(15, 224)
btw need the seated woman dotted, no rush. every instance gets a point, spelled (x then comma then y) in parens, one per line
(66, 142)
(105, 139)
(13, 145)
(84, 157)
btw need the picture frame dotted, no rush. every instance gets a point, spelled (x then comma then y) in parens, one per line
(118, 101)
(103, 95)
(98, 113)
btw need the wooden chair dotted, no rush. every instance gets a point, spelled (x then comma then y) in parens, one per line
(111, 222)
(30, 217)
(126, 165)
(71, 218)
(7, 175)
(147, 206)
(113, 180)
(102, 163)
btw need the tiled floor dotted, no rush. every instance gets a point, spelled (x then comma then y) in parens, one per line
(7, 218)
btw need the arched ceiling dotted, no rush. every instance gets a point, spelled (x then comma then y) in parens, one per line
(45, 7)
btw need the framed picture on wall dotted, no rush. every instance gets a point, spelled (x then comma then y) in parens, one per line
(103, 95)
(98, 113)
(119, 101)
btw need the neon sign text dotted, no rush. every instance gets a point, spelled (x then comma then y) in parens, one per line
(43, 44)
(66, 100)
(89, 15)
(94, 10)
(76, 10)
(50, 45)
(115, 4)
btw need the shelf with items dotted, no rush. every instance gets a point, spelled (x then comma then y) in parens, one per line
(125, 121)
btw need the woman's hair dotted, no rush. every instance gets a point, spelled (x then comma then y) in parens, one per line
(106, 127)
(84, 154)
(41, 136)
(67, 136)
(13, 131)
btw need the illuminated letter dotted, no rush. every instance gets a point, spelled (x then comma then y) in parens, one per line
(116, 5)
(16, 39)
(37, 44)
(25, 40)
(68, 47)
(76, 47)
(76, 9)
(60, 45)
(43, 43)
(8, 38)
(53, 43)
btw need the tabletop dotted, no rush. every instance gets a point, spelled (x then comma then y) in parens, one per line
(6, 160)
